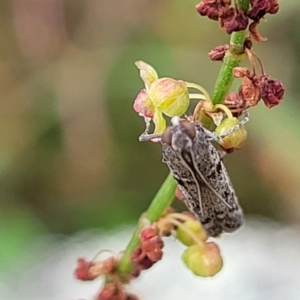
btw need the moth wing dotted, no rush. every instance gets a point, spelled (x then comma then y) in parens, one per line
(218, 217)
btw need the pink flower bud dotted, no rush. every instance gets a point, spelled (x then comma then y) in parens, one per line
(161, 96)
(143, 105)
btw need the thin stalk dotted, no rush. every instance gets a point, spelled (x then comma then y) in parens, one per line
(159, 204)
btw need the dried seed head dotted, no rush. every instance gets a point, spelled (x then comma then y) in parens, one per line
(234, 20)
(254, 32)
(212, 8)
(218, 53)
(240, 72)
(259, 8)
(272, 91)
(250, 91)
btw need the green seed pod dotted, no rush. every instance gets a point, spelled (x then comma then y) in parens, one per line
(203, 260)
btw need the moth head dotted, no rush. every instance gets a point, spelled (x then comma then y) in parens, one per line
(180, 135)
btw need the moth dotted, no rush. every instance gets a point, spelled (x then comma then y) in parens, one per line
(201, 175)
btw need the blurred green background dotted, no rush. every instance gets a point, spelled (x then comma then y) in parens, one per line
(69, 152)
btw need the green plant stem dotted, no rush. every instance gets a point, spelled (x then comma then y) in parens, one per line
(165, 195)
(160, 203)
(232, 59)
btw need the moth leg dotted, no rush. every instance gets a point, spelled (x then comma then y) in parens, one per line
(238, 126)
(148, 137)
(222, 154)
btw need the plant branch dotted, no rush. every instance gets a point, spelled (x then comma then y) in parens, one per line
(160, 203)
(165, 195)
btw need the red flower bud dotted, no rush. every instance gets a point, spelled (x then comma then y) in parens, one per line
(234, 20)
(148, 233)
(213, 9)
(82, 271)
(261, 7)
(218, 53)
(146, 263)
(208, 9)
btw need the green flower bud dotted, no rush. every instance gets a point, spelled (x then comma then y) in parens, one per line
(203, 260)
(196, 228)
(169, 96)
(234, 140)
(161, 96)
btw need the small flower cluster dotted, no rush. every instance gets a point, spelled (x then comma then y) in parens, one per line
(256, 87)
(113, 288)
(148, 252)
(171, 97)
(201, 257)
(161, 96)
(233, 18)
(89, 270)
